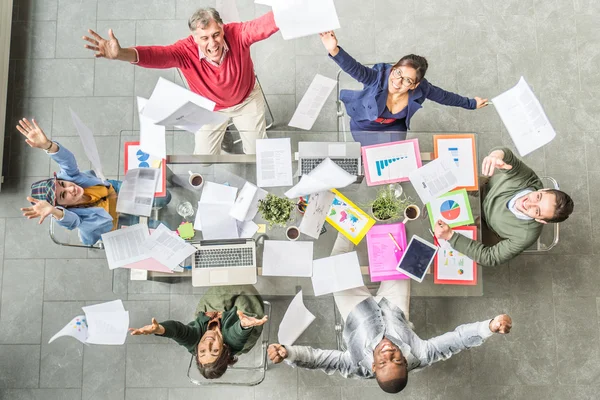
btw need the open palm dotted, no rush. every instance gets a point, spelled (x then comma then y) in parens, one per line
(247, 321)
(103, 48)
(35, 136)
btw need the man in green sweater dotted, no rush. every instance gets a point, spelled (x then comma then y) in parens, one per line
(515, 208)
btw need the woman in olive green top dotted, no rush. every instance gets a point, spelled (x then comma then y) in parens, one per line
(226, 325)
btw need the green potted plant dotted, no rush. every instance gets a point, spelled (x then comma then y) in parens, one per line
(389, 206)
(276, 210)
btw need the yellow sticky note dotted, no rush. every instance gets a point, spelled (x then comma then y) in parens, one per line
(262, 228)
(186, 230)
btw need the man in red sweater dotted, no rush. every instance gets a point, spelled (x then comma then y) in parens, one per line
(215, 60)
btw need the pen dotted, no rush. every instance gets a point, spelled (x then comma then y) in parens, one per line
(394, 240)
(435, 241)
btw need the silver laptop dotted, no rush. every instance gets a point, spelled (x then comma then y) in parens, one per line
(224, 262)
(344, 154)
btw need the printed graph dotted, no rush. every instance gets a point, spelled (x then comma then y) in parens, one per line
(450, 210)
(382, 164)
(454, 152)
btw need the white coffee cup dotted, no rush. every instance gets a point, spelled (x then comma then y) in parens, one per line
(196, 180)
(411, 213)
(290, 231)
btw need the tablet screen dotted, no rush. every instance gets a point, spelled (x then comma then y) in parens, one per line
(417, 258)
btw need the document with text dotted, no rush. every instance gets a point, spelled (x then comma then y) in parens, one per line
(137, 191)
(124, 246)
(312, 102)
(274, 162)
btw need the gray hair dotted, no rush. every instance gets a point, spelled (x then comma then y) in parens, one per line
(202, 17)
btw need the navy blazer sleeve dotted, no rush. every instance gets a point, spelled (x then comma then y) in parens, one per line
(446, 98)
(365, 75)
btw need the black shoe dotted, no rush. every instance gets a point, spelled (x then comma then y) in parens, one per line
(227, 143)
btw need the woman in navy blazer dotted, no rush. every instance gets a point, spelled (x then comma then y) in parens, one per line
(391, 95)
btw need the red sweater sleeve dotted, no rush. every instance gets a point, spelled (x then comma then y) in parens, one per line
(171, 56)
(258, 29)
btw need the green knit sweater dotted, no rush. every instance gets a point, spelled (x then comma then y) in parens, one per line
(516, 234)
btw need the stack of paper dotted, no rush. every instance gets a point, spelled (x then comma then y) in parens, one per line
(336, 273)
(286, 258)
(325, 176)
(295, 321)
(246, 203)
(213, 217)
(297, 18)
(105, 323)
(137, 191)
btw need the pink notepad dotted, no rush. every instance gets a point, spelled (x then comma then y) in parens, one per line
(384, 256)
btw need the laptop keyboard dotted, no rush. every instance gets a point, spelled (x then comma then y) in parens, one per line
(224, 257)
(349, 165)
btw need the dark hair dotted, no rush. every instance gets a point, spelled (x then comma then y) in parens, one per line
(217, 368)
(394, 385)
(414, 61)
(564, 206)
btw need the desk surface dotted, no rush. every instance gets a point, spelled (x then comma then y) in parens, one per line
(235, 170)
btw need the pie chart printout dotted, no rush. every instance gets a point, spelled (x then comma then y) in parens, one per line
(450, 210)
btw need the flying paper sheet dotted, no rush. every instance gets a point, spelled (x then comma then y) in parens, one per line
(435, 178)
(524, 118)
(152, 137)
(312, 102)
(77, 328)
(297, 18)
(137, 191)
(274, 162)
(332, 274)
(228, 11)
(213, 212)
(247, 229)
(325, 176)
(296, 320)
(287, 258)
(315, 214)
(89, 144)
(124, 246)
(167, 247)
(246, 203)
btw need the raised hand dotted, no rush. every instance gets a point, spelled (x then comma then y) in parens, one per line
(492, 162)
(35, 136)
(330, 42)
(104, 48)
(40, 208)
(247, 321)
(155, 328)
(501, 324)
(481, 102)
(277, 353)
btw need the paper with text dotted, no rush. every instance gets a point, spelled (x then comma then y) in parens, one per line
(435, 178)
(213, 211)
(325, 176)
(312, 102)
(89, 144)
(297, 18)
(124, 246)
(524, 118)
(137, 191)
(274, 162)
(167, 247)
(246, 203)
(315, 214)
(287, 258)
(152, 136)
(336, 273)
(296, 320)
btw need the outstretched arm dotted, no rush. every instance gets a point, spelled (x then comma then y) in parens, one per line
(366, 76)
(258, 29)
(452, 99)
(329, 361)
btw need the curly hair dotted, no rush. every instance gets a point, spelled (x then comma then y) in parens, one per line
(217, 368)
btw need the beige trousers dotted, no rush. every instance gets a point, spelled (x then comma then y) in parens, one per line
(248, 117)
(397, 292)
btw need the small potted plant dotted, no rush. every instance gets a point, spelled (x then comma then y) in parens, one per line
(276, 210)
(388, 206)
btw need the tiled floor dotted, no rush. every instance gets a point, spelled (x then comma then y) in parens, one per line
(474, 47)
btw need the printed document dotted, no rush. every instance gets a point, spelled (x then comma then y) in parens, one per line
(524, 118)
(316, 212)
(287, 258)
(228, 11)
(137, 191)
(325, 176)
(332, 274)
(167, 247)
(435, 178)
(152, 136)
(124, 246)
(297, 18)
(89, 144)
(246, 203)
(274, 162)
(213, 211)
(296, 320)
(247, 229)
(312, 102)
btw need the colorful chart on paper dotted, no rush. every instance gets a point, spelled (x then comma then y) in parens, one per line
(462, 150)
(390, 162)
(453, 208)
(347, 218)
(450, 210)
(136, 158)
(451, 266)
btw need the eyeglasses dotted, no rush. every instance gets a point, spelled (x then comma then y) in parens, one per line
(398, 75)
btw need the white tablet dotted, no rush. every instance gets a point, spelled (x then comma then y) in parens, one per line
(417, 258)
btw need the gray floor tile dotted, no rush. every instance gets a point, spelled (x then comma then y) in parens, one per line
(308, 393)
(103, 115)
(211, 392)
(411, 392)
(273, 58)
(531, 275)
(396, 41)
(114, 78)
(183, 307)
(104, 372)
(33, 40)
(30, 10)
(546, 9)
(576, 235)
(587, 7)
(588, 50)
(532, 318)
(569, 145)
(74, 20)
(55, 78)
(144, 394)
(157, 32)
(32, 108)
(450, 393)
(27, 161)
(276, 392)
(586, 351)
(145, 80)
(137, 9)
(573, 316)
(21, 318)
(78, 279)
(141, 314)
(571, 111)
(574, 275)
(514, 7)
(282, 107)
(41, 394)
(592, 146)
(185, 8)
(23, 370)
(61, 360)
(145, 365)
